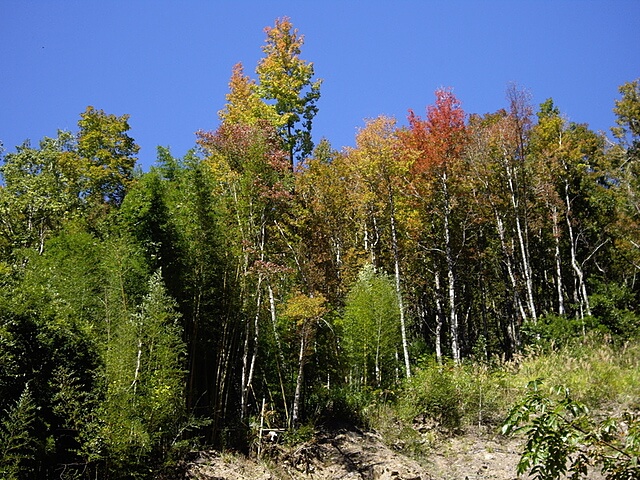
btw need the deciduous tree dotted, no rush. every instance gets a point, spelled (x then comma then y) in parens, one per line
(287, 80)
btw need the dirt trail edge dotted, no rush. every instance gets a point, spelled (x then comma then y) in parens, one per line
(351, 454)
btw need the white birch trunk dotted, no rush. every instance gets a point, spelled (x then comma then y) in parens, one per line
(581, 287)
(396, 259)
(453, 314)
(558, 259)
(439, 317)
(524, 252)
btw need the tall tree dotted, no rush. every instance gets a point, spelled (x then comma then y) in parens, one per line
(439, 141)
(305, 311)
(370, 330)
(287, 80)
(381, 163)
(253, 182)
(109, 152)
(244, 104)
(627, 163)
(627, 110)
(41, 190)
(515, 167)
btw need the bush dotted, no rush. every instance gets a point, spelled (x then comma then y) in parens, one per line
(432, 392)
(563, 439)
(344, 404)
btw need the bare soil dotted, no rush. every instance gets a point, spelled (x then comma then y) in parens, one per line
(349, 453)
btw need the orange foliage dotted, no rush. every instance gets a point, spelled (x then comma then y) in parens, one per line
(440, 137)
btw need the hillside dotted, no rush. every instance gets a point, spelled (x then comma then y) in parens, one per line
(353, 454)
(420, 285)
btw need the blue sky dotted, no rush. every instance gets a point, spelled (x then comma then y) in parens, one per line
(167, 63)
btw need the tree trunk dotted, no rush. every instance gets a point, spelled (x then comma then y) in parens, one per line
(512, 330)
(396, 260)
(453, 314)
(295, 415)
(248, 364)
(280, 357)
(524, 251)
(558, 259)
(439, 318)
(581, 288)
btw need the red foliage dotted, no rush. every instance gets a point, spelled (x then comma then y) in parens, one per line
(440, 137)
(254, 151)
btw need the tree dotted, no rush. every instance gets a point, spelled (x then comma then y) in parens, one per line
(17, 445)
(244, 104)
(566, 163)
(488, 142)
(109, 153)
(438, 143)
(381, 163)
(41, 188)
(305, 311)
(287, 80)
(626, 159)
(370, 331)
(143, 410)
(627, 110)
(253, 183)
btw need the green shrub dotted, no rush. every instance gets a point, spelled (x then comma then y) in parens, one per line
(432, 392)
(563, 439)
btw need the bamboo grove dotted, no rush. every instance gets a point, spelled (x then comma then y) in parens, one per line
(260, 274)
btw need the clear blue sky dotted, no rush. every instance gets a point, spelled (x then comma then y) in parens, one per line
(167, 63)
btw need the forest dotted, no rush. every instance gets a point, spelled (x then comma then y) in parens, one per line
(145, 314)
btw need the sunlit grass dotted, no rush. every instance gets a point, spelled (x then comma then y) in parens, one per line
(444, 400)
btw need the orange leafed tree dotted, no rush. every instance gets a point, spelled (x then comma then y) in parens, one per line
(440, 137)
(438, 143)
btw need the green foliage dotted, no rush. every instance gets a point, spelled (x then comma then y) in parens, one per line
(627, 110)
(109, 155)
(613, 316)
(287, 80)
(596, 373)
(433, 393)
(615, 308)
(562, 439)
(346, 404)
(142, 412)
(370, 330)
(17, 443)
(558, 330)
(40, 191)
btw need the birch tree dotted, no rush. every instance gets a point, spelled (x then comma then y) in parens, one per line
(381, 163)
(439, 141)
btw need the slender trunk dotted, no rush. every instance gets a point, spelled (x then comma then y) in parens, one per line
(439, 318)
(248, 363)
(558, 259)
(219, 394)
(280, 357)
(295, 415)
(134, 384)
(581, 288)
(517, 301)
(396, 260)
(377, 358)
(453, 315)
(524, 251)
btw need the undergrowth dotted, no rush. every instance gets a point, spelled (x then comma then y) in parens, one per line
(442, 400)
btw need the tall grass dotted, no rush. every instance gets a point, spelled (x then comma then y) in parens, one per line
(445, 399)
